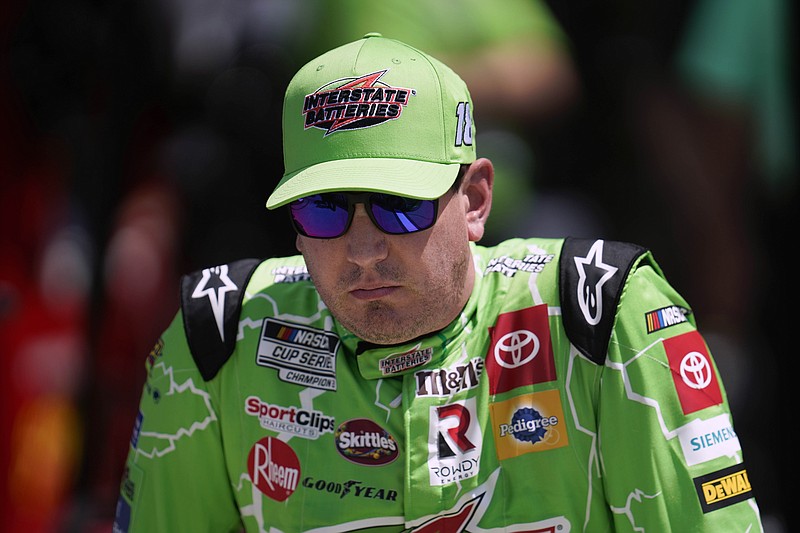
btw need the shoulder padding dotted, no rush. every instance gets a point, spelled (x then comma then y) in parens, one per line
(592, 274)
(211, 301)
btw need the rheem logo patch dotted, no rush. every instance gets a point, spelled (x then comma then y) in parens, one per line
(274, 468)
(520, 352)
(692, 372)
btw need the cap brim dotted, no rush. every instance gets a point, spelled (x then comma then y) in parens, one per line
(402, 177)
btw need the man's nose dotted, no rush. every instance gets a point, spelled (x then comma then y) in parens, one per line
(366, 244)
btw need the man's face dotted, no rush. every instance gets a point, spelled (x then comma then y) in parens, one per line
(389, 289)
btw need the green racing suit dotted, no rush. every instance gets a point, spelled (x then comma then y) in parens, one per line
(572, 393)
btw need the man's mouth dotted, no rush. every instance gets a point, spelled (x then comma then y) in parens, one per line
(373, 292)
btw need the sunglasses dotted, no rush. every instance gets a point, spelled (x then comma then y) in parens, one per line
(328, 215)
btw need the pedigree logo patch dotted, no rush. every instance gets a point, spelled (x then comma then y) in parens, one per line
(520, 351)
(528, 423)
(692, 372)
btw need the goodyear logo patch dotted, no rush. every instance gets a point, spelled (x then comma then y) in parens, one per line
(723, 488)
(301, 355)
(665, 317)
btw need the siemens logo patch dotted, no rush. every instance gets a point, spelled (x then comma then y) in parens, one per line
(301, 355)
(665, 317)
(723, 488)
(706, 440)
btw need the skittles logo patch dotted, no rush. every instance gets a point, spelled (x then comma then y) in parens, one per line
(364, 442)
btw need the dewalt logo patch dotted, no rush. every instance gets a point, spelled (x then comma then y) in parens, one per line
(723, 487)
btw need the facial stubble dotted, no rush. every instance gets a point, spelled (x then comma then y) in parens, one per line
(438, 302)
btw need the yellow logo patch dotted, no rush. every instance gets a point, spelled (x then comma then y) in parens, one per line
(528, 423)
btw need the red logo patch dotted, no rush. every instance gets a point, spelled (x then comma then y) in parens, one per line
(693, 372)
(520, 351)
(274, 468)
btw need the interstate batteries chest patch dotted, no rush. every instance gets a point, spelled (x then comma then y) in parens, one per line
(354, 103)
(301, 355)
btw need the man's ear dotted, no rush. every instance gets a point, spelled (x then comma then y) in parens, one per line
(477, 188)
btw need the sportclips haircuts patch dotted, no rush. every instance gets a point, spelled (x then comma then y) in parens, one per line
(354, 103)
(301, 355)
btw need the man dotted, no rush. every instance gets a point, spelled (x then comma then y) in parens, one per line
(399, 377)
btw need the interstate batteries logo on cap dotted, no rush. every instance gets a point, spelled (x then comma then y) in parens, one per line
(354, 103)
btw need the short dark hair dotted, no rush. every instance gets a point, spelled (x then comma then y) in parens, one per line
(462, 171)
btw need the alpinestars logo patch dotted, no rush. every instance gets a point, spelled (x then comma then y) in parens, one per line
(354, 103)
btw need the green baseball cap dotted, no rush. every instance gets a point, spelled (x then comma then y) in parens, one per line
(374, 115)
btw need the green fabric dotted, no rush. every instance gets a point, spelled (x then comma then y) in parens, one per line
(468, 429)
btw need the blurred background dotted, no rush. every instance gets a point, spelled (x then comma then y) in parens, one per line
(140, 139)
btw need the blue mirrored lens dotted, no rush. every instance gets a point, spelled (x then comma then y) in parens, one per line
(328, 215)
(396, 215)
(323, 216)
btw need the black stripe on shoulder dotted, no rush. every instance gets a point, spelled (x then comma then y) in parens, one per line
(592, 275)
(211, 300)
